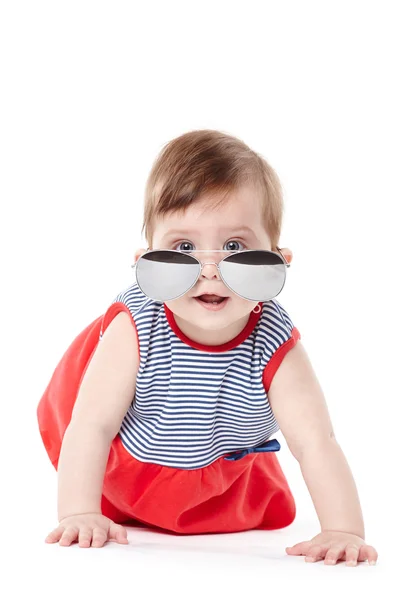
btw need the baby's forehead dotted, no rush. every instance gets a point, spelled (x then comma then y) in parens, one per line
(216, 226)
(199, 217)
(239, 212)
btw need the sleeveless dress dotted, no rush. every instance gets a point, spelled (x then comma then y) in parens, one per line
(193, 454)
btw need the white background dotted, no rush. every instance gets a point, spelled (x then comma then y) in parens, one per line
(90, 92)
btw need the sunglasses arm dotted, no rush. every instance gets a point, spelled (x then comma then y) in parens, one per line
(286, 262)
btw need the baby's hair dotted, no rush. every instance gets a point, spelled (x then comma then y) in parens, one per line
(209, 162)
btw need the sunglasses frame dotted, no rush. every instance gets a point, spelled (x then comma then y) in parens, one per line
(201, 264)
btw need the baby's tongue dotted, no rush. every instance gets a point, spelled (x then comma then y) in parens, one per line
(210, 298)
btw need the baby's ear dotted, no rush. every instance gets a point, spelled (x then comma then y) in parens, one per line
(287, 253)
(139, 253)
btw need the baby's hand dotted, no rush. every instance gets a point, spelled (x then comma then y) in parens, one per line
(87, 529)
(333, 546)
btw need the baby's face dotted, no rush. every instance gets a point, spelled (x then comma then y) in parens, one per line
(236, 225)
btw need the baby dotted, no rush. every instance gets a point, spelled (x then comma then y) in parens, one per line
(161, 411)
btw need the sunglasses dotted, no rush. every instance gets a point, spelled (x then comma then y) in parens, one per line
(257, 275)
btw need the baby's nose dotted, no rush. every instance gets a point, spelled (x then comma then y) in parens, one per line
(210, 270)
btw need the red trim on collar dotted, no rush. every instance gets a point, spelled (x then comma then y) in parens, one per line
(244, 334)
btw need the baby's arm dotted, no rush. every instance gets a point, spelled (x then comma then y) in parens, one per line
(298, 403)
(106, 391)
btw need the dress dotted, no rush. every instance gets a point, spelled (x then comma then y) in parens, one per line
(193, 454)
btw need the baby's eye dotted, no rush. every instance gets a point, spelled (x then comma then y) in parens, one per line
(230, 244)
(186, 249)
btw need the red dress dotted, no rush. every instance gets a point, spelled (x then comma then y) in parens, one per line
(227, 495)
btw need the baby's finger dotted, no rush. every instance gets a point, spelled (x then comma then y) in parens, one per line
(54, 535)
(352, 552)
(368, 553)
(85, 537)
(118, 533)
(334, 553)
(99, 537)
(70, 535)
(300, 548)
(316, 552)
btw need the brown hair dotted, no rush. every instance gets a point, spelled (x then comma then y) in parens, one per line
(203, 161)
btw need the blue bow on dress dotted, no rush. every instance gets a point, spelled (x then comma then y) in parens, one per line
(270, 446)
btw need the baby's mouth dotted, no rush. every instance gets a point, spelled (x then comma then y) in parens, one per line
(211, 298)
(211, 302)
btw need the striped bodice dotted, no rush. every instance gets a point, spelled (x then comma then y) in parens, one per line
(195, 403)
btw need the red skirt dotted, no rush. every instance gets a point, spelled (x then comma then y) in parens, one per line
(225, 496)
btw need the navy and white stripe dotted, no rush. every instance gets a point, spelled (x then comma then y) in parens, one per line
(192, 406)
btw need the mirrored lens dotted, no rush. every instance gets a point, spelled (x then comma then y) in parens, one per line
(257, 275)
(165, 275)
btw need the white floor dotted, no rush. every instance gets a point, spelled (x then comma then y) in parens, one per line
(153, 565)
